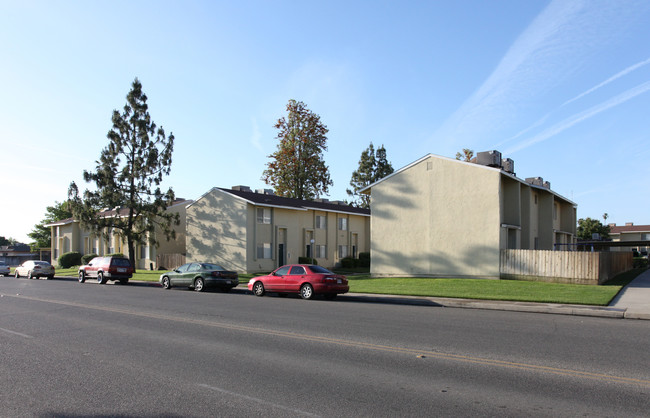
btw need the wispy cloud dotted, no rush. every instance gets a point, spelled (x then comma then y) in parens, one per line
(569, 122)
(553, 48)
(609, 80)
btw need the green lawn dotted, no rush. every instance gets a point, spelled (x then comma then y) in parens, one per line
(511, 290)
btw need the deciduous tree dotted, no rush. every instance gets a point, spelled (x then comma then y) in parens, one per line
(467, 155)
(297, 168)
(588, 226)
(41, 234)
(128, 177)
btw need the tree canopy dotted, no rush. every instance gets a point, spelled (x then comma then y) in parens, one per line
(373, 166)
(127, 178)
(466, 155)
(588, 226)
(297, 168)
(41, 234)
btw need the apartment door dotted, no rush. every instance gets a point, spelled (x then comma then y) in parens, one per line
(282, 246)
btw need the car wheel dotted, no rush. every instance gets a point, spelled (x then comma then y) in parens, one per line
(166, 284)
(258, 289)
(124, 281)
(17, 274)
(199, 284)
(50, 277)
(82, 277)
(330, 296)
(100, 278)
(306, 291)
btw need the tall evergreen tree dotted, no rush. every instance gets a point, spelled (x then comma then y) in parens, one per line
(383, 168)
(297, 168)
(373, 166)
(128, 177)
(41, 234)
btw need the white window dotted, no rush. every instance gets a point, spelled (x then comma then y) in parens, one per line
(321, 251)
(321, 222)
(263, 215)
(343, 224)
(264, 250)
(343, 251)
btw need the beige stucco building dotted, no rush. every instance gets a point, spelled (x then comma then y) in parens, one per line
(440, 217)
(68, 235)
(637, 235)
(256, 231)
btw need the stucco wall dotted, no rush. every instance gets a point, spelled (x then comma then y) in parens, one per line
(216, 230)
(438, 217)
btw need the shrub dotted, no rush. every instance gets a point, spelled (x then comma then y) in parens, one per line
(307, 260)
(349, 262)
(86, 258)
(70, 259)
(640, 262)
(364, 259)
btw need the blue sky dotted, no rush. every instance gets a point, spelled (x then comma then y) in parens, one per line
(561, 87)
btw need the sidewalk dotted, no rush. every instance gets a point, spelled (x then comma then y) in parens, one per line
(635, 298)
(633, 302)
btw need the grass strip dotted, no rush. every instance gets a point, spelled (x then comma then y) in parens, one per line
(509, 290)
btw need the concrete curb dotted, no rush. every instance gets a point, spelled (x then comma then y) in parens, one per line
(548, 308)
(496, 305)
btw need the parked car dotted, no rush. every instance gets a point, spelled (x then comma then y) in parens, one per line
(35, 269)
(200, 276)
(4, 269)
(306, 279)
(107, 268)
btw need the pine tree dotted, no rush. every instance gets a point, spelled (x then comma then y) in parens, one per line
(383, 168)
(373, 166)
(128, 176)
(297, 169)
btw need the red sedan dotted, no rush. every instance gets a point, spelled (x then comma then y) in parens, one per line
(306, 279)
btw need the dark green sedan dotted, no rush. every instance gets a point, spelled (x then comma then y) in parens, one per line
(200, 276)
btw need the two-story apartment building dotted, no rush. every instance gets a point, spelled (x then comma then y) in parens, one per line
(637, 235)
(68, 235)
(257, 231)
(440, 217)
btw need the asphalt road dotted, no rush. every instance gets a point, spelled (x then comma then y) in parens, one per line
(70, 349)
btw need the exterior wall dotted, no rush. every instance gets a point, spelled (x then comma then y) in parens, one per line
(439, 217)
(217, 230)
(70, 236)
(225, 229)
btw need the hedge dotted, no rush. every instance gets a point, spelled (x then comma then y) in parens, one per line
(67, 260)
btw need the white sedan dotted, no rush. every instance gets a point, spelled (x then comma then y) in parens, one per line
(35, 269)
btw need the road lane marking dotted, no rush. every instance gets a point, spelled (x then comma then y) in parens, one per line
(260, 401)
(355, 344)
(16, 333)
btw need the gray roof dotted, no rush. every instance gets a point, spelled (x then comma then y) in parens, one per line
(264, 199)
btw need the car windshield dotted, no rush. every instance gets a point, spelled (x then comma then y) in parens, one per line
(319, 269)
(42, 263)
(212, 267)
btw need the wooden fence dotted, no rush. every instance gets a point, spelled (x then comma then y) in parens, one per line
(169, 261)
(564, 266)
